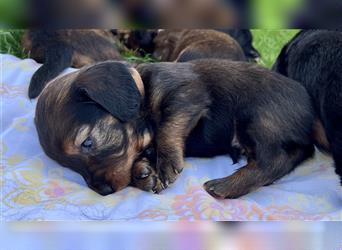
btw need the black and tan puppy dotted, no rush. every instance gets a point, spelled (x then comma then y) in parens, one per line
(60, 49)
(187, 45)
(314, 58)
(200, 108)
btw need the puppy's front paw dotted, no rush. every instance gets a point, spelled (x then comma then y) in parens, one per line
(169, 170)
(145, 177)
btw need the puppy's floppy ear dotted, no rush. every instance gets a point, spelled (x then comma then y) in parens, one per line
(110, 85)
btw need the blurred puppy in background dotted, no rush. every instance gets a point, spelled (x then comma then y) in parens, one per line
(314, 58)
(60, 49)
(187, 45)
(143, 41)
(139, 40)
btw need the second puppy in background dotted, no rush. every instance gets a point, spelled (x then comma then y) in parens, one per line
(187, 45)
(60, 49)
(143, 42)
(314, 58)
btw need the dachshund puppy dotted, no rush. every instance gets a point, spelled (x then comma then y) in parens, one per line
(200, 108)
(60, 49)
(314, 58)
(186, 45)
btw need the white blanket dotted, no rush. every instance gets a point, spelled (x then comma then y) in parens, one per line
(35, 187)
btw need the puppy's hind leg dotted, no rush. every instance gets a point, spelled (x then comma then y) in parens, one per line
(271, 163)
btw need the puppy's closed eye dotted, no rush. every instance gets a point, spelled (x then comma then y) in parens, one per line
(87, 145)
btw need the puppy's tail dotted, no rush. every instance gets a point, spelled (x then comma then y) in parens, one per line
(58, 56)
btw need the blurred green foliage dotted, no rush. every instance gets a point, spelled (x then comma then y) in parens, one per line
(274, 14)
(13, 13)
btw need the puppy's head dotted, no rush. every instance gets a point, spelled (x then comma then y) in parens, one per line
(87, 121)
(142, 40)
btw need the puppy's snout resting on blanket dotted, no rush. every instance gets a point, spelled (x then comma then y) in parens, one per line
(99, 121)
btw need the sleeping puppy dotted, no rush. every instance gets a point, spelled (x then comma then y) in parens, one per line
(91, 121)
(60, 49)
(202, 108)
(314, 58)
(187, 45)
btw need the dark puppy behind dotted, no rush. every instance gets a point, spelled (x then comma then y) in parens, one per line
(60, 49)
(187, 45)
(143, 40)
(314, 58)
(140, 40)
(245, 39)
(202, 108)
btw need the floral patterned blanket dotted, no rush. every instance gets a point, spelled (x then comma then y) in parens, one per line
(34, 187)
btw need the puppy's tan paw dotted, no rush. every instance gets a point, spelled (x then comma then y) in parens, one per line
(145, 177)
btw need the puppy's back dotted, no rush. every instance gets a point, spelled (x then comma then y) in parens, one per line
(197, 44)
(247, 89)
(186, 45)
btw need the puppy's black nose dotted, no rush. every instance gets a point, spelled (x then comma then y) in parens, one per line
(104, 189)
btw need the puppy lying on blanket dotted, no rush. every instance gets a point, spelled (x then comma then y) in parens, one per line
(201, 108)
(314, 58)
(60, 49)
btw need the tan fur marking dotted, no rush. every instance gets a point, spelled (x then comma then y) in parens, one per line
(138, 80)
(319, 135)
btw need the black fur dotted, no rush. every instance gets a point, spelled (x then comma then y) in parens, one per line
(57, 56)
(115, 89)
(60, 49)
(245, 38)
(314, 58)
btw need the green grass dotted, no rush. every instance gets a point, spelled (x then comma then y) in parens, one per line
(270, 42)
(267, 42)
(10, 43)
(133, 57)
